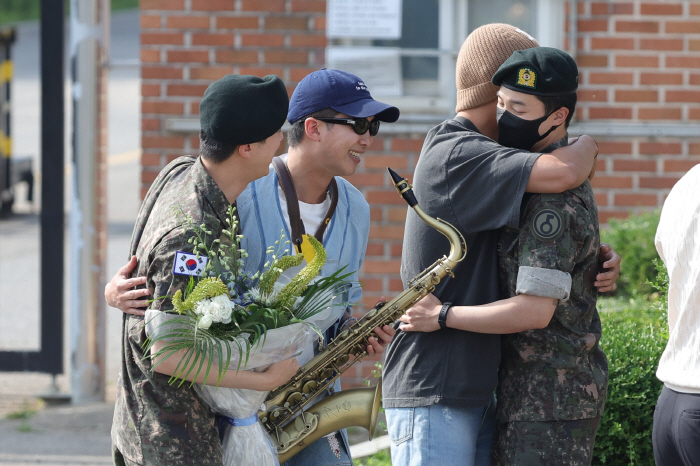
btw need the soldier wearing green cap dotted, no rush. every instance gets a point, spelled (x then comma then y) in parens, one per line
(552, 378)
(156, 423)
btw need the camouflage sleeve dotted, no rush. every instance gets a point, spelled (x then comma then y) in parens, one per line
(162, 280)
(549, 243)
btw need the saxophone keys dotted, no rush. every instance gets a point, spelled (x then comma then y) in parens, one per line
(309, 387)
(293, 399)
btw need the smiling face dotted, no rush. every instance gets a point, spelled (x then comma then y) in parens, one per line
(341, 147)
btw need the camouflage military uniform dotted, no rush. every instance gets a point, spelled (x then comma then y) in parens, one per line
(553, 381)
(156, 423)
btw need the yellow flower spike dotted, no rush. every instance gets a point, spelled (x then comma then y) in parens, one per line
(206, 288)
(298, 284)
(267, 281)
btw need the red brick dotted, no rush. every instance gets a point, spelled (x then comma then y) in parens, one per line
(694, 114)
(375, 249)
(366, 179)
(384, 197)
(636, 96)
(372, 284)
(592, 95)
(694, 45)
(150, 124)
(695, 9)
(161, 72)
(683, 96)
(611, 78)
(604, 216)
(149, 159)
(631, 165)
(386, 232)
(213, 39)
(600, 181)
(299, 73)
(150, 90)
(236, 56)
(148, 176)
(612, 43)
(286, 23)
(396, 249)
(149, 21)
(212, 5)
(150, 56)
(210, 73)
(623, 199)
(312, 6)
(601, 199)
(608, 8)
(663, 113)
(592, 25)
(686, 27)
(145, 5)
(397, 162)
(653, 148)
(194, 142)
(665, 8)
(194, 107)
(262, 5)
(661, 78)
(162, 142)
(196, 90)
(406, 145)
(637, 61)
(658, 182)
(597, 113)
(298, 57)
(319, 23)
(266, 40)
(160, 107)
(187, 56)
(673, 165)
(395, 285)
(608, 147)
(308, 40)
(397, 214)
(637, 26)
(260, 71)
(237, 22)
(684, 61)
(661, 44)
(187, 22)
(381, 267)
(591, 61)
(161, 38)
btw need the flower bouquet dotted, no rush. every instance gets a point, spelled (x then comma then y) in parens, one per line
(233, 320)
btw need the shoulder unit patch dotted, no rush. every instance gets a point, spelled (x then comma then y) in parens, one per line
(547, 224)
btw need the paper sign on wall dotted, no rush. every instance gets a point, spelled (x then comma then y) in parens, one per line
(376, 19)
(378, 67)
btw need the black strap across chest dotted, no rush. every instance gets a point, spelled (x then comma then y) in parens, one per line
(290, 193)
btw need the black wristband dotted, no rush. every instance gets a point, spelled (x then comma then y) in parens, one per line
(442, 317)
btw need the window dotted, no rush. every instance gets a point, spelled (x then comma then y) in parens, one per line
(432, 32)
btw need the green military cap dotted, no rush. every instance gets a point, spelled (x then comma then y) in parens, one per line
(241, 109)
(542, 71)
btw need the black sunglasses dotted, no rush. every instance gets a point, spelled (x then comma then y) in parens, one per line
(360, 125)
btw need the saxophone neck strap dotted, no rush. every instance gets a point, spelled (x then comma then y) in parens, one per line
(296, 225)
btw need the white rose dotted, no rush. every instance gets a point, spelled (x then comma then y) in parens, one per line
(205, 321)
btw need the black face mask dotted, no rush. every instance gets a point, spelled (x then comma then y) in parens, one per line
(518, 133)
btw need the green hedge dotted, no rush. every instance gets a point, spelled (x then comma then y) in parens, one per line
(633, 239)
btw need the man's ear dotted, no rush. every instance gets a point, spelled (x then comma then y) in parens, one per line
(560, 116)
(244, 150)
(311, 128)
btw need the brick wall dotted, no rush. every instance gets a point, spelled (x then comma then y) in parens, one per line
(639, 62)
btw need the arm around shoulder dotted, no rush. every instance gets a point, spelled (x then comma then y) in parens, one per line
(565, 168)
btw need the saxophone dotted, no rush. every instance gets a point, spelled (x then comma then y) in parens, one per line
(359, 406)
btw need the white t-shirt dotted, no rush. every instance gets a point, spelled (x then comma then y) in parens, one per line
(678, 243)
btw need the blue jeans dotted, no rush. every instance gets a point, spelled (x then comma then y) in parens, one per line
(319, 453)
(441, 435)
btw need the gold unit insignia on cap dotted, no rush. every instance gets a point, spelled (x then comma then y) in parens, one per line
(526, 77)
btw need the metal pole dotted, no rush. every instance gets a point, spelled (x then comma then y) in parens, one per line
(89, 29)
(52, 158)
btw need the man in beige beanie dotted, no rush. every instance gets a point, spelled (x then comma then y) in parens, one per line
(439, 385)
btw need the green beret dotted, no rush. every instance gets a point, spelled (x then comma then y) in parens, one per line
(241, 109)
(542, 71)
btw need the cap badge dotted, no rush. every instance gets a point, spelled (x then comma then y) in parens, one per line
(361, 86)
(526, 78)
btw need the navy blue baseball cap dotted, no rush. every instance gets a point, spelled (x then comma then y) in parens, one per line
(341, 91)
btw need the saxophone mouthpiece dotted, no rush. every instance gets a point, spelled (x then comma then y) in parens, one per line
(403, 187)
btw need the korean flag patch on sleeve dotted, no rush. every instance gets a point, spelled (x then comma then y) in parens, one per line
(189, 264)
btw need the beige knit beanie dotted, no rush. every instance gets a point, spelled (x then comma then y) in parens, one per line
(482, 53)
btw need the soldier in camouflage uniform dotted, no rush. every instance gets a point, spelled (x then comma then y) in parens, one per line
(156, 423)
(552, 380)
(553, 373)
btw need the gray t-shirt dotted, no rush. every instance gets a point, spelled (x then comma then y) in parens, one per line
(476, 185)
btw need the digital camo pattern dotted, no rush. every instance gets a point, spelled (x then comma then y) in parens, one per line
(547, 443)
(559, 372)
(156, 423)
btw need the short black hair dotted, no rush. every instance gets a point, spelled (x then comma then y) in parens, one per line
(553, 103)
(213, 150)
(296, 130)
